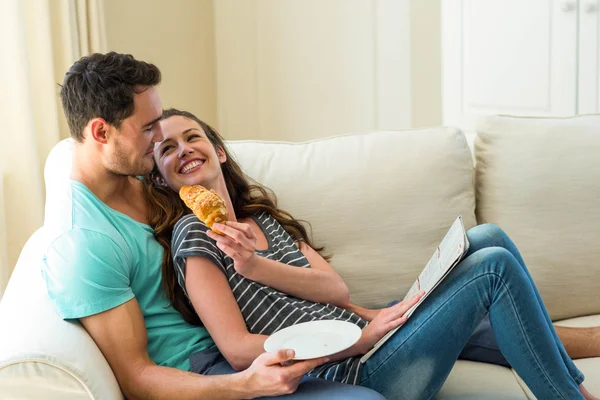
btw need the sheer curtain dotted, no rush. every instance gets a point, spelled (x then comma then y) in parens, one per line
(39, 41)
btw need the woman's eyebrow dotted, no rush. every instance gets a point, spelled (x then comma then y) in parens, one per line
(161, 144)
(189, 130)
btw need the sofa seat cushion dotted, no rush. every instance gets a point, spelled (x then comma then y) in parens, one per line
(380, 202)
(539, 179)
(478, 381)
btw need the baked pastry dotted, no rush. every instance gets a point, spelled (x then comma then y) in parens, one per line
(206, 204)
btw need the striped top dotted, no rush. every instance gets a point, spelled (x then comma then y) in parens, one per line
(265, 309)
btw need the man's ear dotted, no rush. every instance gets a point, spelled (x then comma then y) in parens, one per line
(98, 130)
(221, 154)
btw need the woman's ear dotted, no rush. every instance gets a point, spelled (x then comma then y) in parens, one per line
(221, 154)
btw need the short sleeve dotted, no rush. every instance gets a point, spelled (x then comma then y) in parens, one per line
(190, 240)
(86, 273)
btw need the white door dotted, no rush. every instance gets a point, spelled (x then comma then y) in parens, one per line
(589, 51)
(508, 57)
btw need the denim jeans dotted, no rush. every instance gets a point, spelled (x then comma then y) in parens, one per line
(211, 362)
(415, 362)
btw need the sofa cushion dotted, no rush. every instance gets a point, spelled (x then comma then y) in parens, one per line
(478, 381)
(380, 202)
(539, 179)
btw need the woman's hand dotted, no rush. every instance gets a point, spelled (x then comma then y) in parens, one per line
(386, 320)
(239, 243)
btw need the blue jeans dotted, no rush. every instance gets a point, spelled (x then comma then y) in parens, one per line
(493, 279)
(211, 362)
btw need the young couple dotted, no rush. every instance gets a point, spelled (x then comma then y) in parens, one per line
(131, 249)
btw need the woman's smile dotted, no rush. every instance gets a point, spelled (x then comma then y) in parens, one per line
(191, 166)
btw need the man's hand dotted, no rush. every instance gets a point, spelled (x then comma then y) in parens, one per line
(268, 377)
(386, 319)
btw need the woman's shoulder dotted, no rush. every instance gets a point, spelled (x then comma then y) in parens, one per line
(189, 222)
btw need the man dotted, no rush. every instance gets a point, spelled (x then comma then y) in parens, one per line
(104, 265)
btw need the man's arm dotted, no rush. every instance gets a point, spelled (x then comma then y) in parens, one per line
(580, 342)
(120, 334)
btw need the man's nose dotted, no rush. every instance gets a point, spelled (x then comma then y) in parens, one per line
(158, 134)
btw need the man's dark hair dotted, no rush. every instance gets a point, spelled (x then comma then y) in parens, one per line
(103, 86)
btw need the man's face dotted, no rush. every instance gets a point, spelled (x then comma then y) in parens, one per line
(132, 145)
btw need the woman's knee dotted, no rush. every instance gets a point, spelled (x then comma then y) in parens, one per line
(498, 260)
(487, 235)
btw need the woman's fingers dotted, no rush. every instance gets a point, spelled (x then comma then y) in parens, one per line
(244, 228)
(230, 231)
(408, 304)
(236, 230)
(229, 246)
(393, 324)
(398, 310)
(228, 249)
(241, 246)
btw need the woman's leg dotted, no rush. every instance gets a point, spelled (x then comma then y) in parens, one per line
(490, 235)
(211, 362)
(416, 361)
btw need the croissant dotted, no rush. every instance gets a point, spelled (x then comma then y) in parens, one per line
(206, 204)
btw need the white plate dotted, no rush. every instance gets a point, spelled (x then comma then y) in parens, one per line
(314, 339)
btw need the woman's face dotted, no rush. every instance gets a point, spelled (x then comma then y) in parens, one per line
(186, 156)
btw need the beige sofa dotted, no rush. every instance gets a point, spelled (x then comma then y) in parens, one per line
(380, 202)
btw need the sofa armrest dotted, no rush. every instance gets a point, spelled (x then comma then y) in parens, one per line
(38, 349)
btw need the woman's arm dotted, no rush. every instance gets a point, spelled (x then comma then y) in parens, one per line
(365, 313)
(216, 306)
(319, 284)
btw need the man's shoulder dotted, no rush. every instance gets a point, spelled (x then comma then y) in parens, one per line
(84, 221)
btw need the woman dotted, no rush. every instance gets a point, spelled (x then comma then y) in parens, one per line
(265, 274)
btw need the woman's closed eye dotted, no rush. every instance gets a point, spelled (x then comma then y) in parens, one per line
(165, 149)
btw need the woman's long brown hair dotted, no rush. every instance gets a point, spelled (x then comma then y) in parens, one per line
(248, 198)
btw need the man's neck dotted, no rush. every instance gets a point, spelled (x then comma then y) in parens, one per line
(120, 192)
(106, 185)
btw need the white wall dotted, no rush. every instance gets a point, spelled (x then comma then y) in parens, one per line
(4, 268)
(290, 69)
(178, 37)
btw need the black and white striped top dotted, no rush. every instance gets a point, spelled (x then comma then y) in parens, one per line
(265, 309)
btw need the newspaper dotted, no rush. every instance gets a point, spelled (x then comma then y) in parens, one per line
(449, 253)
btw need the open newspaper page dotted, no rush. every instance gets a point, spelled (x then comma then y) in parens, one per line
(449, 253)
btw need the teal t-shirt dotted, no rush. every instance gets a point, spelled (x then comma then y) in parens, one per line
(101, 258)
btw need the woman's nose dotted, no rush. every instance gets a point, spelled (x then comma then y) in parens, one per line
(185, 151)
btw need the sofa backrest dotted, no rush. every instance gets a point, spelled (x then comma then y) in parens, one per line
(379, 202)
(539, 179)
